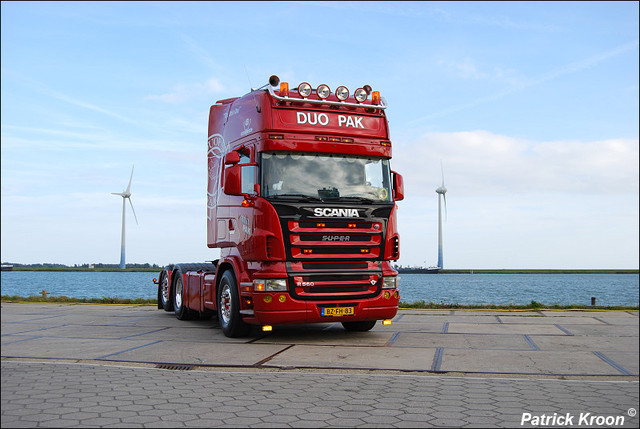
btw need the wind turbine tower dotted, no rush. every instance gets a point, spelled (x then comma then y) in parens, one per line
(126, 195)
(441, 191)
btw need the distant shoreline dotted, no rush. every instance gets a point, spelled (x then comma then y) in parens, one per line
(515, 271)
(400, 270)
(88, 270)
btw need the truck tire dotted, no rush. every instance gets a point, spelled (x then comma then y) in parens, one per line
(359, 326)
(164, 292)
(180, 309)
(229, 307)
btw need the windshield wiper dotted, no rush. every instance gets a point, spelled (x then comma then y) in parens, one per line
(353, 198)
(302, 197)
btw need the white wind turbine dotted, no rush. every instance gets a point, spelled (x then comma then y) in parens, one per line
(441, 196)
(126, 195)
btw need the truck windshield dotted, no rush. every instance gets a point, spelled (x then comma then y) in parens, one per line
(325, 177)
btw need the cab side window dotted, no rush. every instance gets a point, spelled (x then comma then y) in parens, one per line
(248, 174)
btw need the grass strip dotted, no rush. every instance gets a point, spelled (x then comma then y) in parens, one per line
(418, 305)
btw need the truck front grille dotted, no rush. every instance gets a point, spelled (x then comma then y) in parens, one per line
(335, 239)
(335, 281)
(335, 259)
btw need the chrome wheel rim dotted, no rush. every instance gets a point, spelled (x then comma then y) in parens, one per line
(225, 304)
(165, 289)
(179, 293)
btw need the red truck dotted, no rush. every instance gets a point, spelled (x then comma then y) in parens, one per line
(301, 202)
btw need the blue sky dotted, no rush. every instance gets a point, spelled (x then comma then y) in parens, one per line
(532, 109)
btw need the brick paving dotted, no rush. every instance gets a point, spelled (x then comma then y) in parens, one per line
(58, 394)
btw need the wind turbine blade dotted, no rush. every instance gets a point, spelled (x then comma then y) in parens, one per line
(134, 212)
(442, 170)
(130, 178)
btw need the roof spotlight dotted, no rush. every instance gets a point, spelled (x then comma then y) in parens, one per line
(274, 80)
(342, 93)
(323, 91)
(304, 89)
(367, 88)
(360, 94)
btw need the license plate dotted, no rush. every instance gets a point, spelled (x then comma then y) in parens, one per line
(337, 311)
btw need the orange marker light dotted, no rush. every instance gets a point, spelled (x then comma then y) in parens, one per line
(375, 97)
(284, 89)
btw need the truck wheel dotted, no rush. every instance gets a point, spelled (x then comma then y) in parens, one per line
(359, 326)
(180, 309)
(229, 307)
(164, 292)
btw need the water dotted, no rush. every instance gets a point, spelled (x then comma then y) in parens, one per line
(521, 289)
(465, 289)
(78, 284)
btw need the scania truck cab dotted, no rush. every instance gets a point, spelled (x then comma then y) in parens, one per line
(301, 202)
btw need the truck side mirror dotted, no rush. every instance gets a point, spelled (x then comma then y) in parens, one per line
(232, 158)
(233, 179)
(398, 187)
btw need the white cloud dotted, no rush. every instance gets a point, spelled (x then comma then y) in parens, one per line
(480, 162)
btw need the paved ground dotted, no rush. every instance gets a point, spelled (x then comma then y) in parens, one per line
(77, 365)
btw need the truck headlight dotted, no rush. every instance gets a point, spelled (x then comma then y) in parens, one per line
(270, 285)
(390, 283)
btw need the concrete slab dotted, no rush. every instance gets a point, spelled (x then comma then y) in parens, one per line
(232, 354)
(447, 341)
(65, 348)
(578, 313)
(601, 330)
(96, 332)
(550, 320)
(433, 327)
(591, 343)
(609, 319)
(565, 343)
(525, 362)
(627, 362)
(500, 328)
(341, 357)
(27, 328)
(337, 337)
(464, 317)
